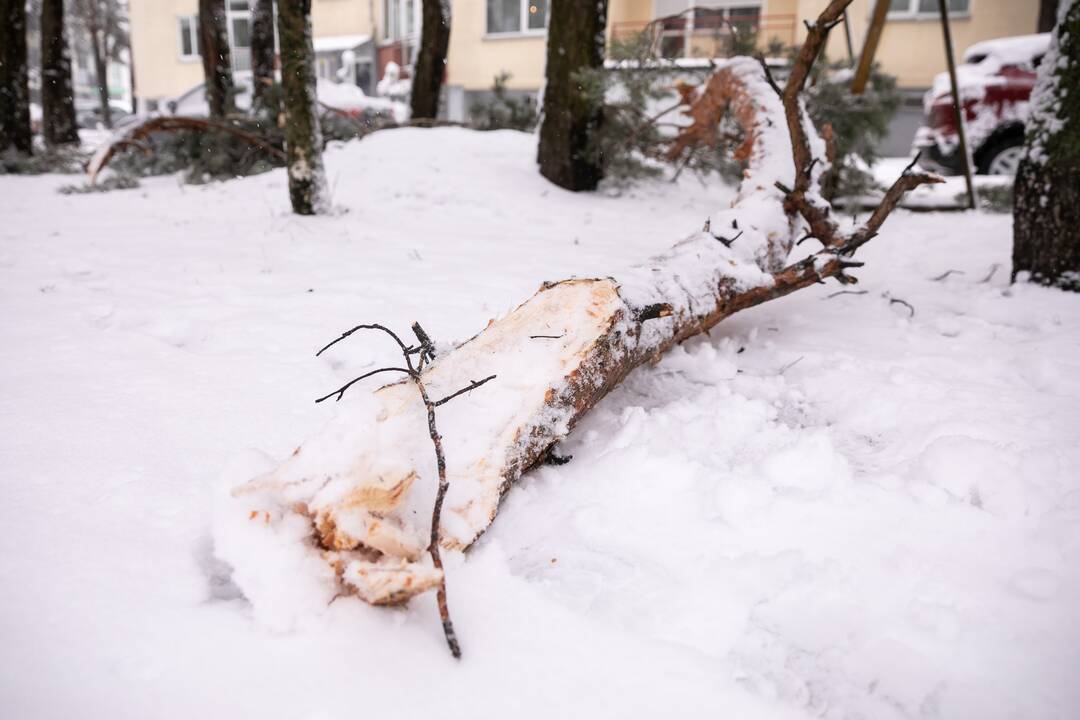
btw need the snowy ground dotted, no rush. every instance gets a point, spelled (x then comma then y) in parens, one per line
(830, 508)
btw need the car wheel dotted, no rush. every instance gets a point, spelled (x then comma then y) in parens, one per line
(1003, 158)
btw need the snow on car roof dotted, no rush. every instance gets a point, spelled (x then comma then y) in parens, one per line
(339, 42)
(1009, 50)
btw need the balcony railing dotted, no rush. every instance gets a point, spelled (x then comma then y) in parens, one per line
(707, 33)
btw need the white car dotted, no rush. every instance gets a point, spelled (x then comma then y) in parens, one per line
(342, 97)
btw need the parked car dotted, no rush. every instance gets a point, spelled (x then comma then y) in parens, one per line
(995, 81)
(88, 114)
(341, 97)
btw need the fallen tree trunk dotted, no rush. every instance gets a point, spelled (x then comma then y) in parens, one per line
(349, 504)
(138, 135)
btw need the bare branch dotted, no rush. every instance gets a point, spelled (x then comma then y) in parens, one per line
(471, 386)
(340, 392)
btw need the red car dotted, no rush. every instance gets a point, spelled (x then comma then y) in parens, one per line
(995, 80)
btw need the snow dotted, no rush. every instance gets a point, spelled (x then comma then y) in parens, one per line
(339, 43)
(1048, 94)
(828, 508)
(1015, 50)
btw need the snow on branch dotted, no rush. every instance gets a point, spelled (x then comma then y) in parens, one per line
(341, 514)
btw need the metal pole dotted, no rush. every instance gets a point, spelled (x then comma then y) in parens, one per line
(847, 36)
(957, 104)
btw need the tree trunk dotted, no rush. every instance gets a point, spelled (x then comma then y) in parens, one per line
(1047, 15)
(97, 47)
(264, 100)
(303, 137)
(57, 102)
(352, 496)
(1046, 215)
(216, 62)
(430, 65)
(575, 42)
(15, 133)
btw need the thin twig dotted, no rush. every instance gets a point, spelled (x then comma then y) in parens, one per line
(993, 269)
(426, 352)
(340, 392)
(472, 386)
(947, 273)
(550, 337)
(846, 292)
(905, 303)
(790, 365)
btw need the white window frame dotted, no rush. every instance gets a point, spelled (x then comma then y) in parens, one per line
(523, 26)
(193, 26)
(913, 12)
(395, 29)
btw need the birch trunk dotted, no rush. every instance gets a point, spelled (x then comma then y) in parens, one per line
(303, 137)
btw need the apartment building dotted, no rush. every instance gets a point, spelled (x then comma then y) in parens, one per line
(355, 39)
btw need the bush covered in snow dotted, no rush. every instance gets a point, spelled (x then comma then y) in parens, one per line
(503, 111)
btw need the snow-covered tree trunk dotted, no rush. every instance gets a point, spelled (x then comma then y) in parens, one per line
(15, 133)
(303, 137)
(216, 59)
(348, 511)
(262, 56)
(575, 43)
(57, 99)
(430, 63)
(1046, 216)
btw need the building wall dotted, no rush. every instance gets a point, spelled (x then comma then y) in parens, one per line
(155, 43)
(475, 57)
(342, 17)
(161, 73)
(913, 49)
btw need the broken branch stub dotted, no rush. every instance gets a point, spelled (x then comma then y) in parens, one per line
(365, 482)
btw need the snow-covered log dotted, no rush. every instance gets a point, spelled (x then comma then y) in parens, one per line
(352, 503)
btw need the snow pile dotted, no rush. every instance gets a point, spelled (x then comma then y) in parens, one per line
(344, 96)
(827, 509)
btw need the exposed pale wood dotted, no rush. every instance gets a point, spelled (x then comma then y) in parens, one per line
(591, 332)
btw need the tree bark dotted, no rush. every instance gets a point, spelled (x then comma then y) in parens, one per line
(353, 493)
(430, 64)
(1047, 15)
(1046, 215)
(575, 43)
(216, 60)
(303, 137)
(59, 126)
(97, 48)
(15, 132)
(264, 100)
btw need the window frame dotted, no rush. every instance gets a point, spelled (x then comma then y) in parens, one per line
(913, 12)
(193, 29)
(523, 29)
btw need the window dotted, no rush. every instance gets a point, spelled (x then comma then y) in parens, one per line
(926, 8)
(516, 16)
(189, 37)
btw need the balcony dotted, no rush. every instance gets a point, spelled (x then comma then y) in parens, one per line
(709, 33)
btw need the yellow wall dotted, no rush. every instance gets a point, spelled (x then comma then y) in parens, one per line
(475, 59)
(343, 17)
(913, 50)
(155, 45)
(160, 73)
